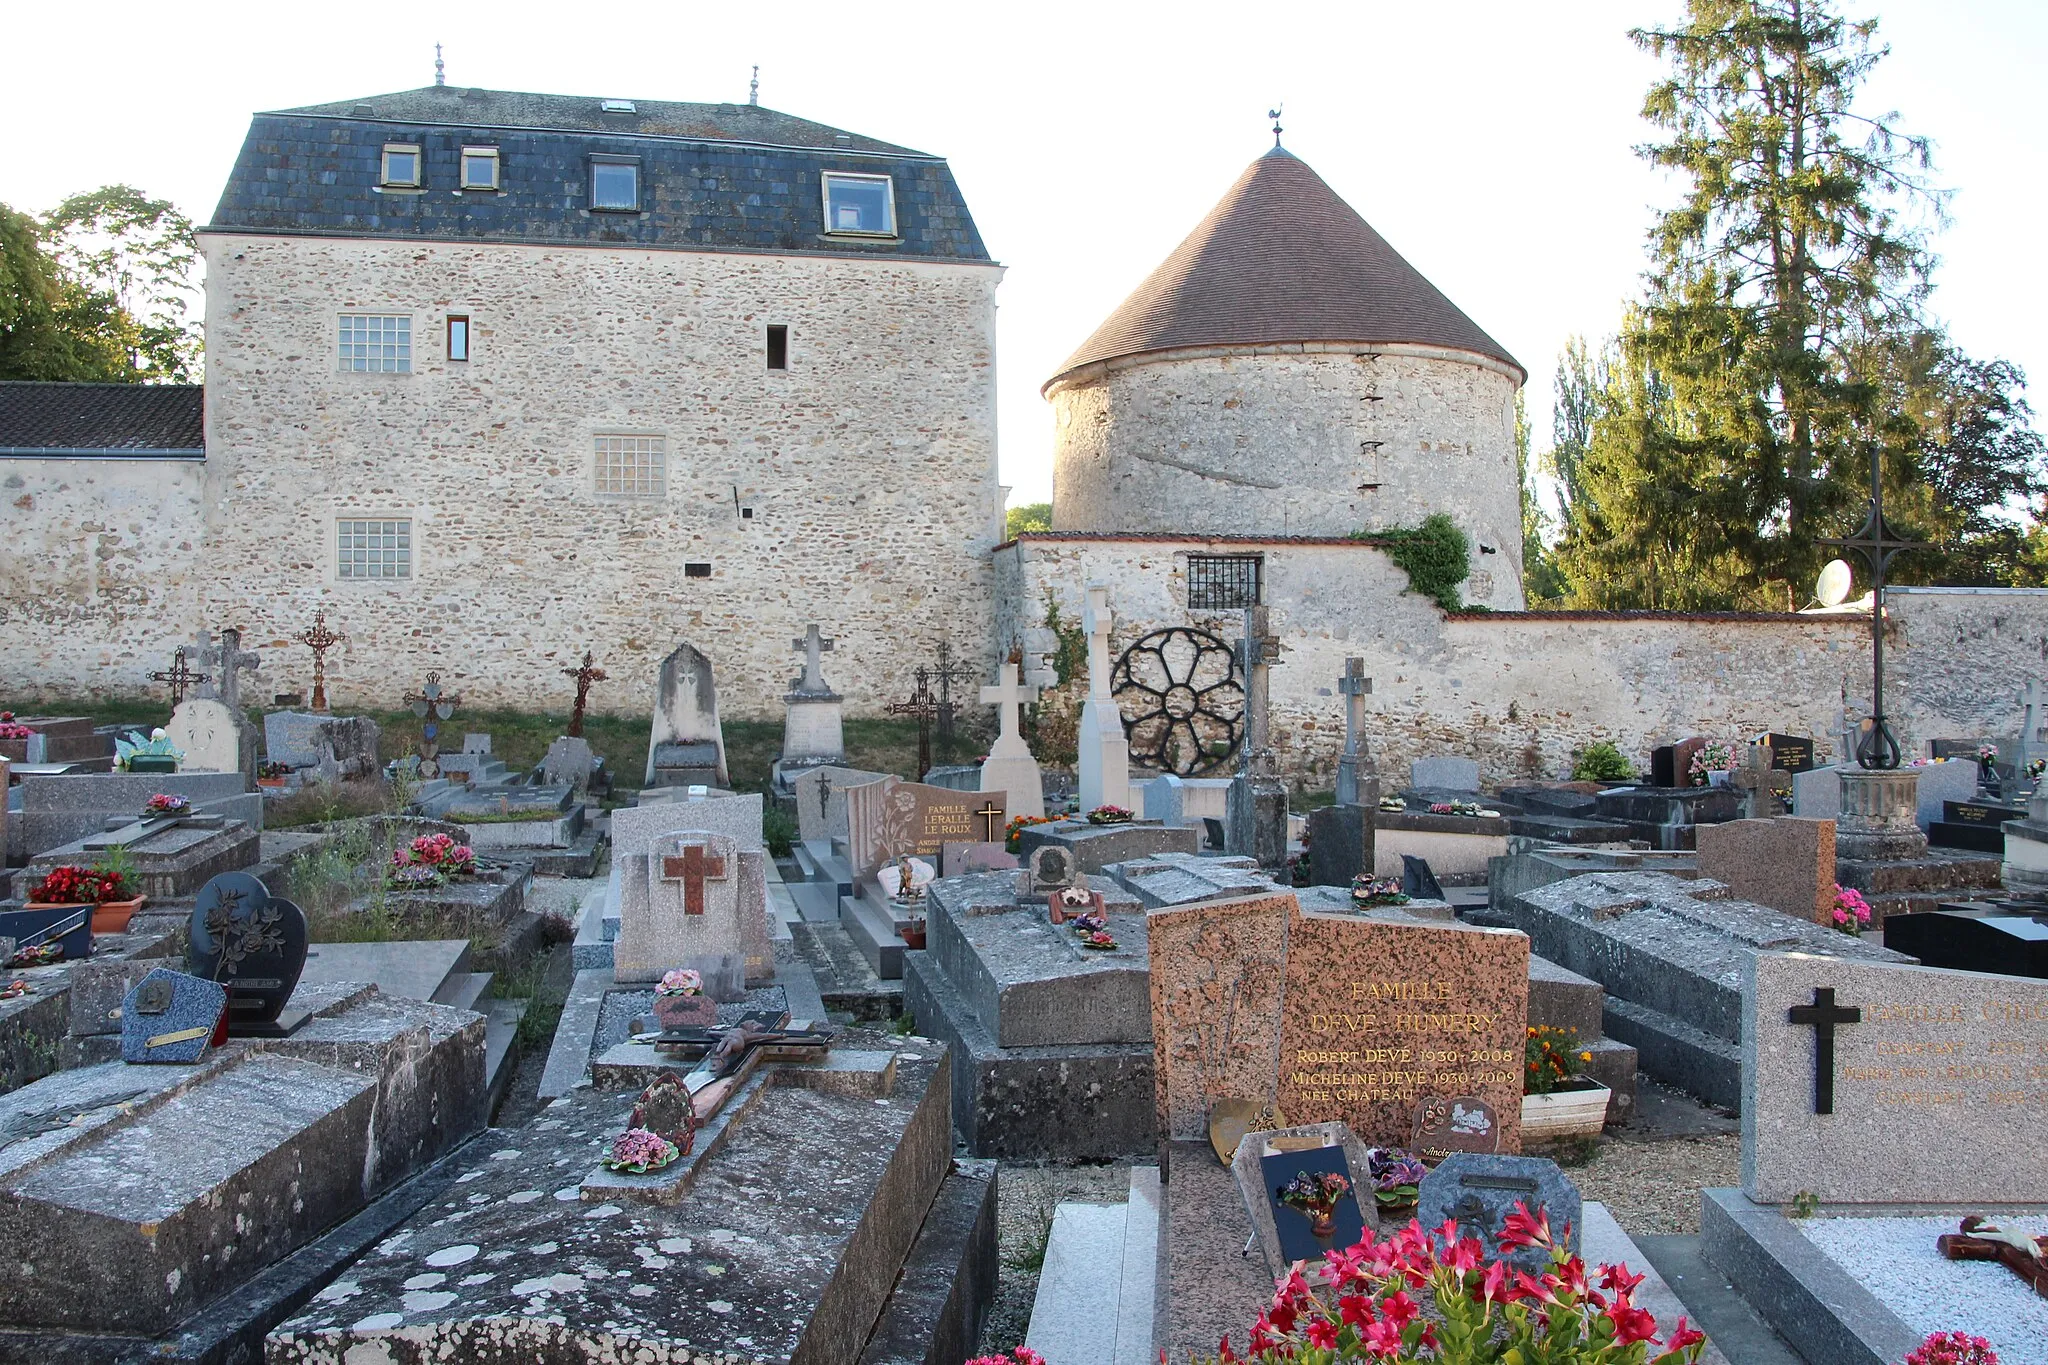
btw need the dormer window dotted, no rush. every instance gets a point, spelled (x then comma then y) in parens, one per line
(479, 168)
(860, 205)
(402, 165)
(615, 184)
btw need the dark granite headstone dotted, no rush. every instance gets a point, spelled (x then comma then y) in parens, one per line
(1976, 825)
(1664, 766)
(1481, 1191)
(35, 926)
(1417, 881)
(1790, 753)
(251, 942)
(171, 1017)
(1973, 937)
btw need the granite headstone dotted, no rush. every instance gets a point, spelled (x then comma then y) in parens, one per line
(1481, 1191)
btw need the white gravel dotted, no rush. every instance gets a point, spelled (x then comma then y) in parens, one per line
(1895, 1259)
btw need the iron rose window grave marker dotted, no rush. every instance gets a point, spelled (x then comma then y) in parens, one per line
(254, 945)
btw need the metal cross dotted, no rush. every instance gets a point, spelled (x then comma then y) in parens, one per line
(1824, 1014)
(945, 675)
(990, 816)
(432, 706)
(924, 708)
(178, 676)
(319, 639)
(584, 676)
(696, 866)
(1879, 544)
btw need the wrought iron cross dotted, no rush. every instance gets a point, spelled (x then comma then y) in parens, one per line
(584, 676)
(945, 675)
(432, 706)
(1879, 544)
(1824, 1014)
(319, 639)
(179, 676)
(924, 707)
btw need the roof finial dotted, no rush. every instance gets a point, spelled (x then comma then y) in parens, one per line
(754, 86)
(1274, 114)
(440, 67)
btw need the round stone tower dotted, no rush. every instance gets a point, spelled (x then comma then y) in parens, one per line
(1286, 372)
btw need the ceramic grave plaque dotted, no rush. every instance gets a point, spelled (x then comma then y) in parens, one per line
(1052, 868)
(1445, 1124)
(251, 942)
(892, 818)
(1297, 1211)
(171, 1017)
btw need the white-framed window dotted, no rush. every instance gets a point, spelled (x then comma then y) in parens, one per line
(630, 466)
(479, 168)
(373, 547)
(376, 343)
(863, 205)
(402, 165)
(615, 184)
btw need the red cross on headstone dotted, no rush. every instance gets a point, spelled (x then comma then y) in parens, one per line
(693, 868)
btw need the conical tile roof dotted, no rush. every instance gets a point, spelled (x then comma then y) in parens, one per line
(1281, 258)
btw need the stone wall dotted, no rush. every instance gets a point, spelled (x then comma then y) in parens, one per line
(1225, 440)
(1520, 692)
(856, 489)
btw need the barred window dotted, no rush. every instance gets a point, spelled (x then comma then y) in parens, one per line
(375, 549)
(1222, 582)
(632, 466)
(376, 343)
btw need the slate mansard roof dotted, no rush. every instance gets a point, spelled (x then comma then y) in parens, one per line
(714, 177)
(102, 421)
(1282, 259)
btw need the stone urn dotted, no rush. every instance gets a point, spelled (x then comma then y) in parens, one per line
(1877, 820)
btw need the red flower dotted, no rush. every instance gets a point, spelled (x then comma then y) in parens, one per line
(1617, 1278)
(1464, 1254)
(1343, 1267)
(1383, 1338)
(1356, 1309)
(1323, 1333)
(1683, 1336)
(1631, 1325)
(1398, 1309)
(1497, 1286)
(1524, 1229)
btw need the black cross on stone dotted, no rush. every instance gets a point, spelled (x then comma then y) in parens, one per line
(1824, 1014)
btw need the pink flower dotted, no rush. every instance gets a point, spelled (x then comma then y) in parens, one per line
(1383, 1338)
(1683, 1336)
(1356, 1309)
(1322, 1333)
(1631, 1325)
(1524, 1229)
(1398, 1309)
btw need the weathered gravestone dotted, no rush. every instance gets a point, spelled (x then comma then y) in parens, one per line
(1255, 820)
(812, 728)
(1444, 774)
(567, 762)
(693, 892)
(687, 744)
(208, 734)
(821, 800)
(892, 819)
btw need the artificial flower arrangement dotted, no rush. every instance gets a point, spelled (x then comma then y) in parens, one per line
(431, 860)
(1368, 890)
(270, 770)
(157, 752)
(1850, 913)
(1013, 833)
(2036, 769)
(1552, 1059)
(1987, 754)
(69, 885)
(1710, 758)
(11, 728)
(1396, 1174)
(1314, 1195)
(166, 804)
(681, 982)
(1467, 808)
(1953, 1348)
(1022, 1355)
(1356, 1307)
(638, 1151)
(680, 1001)
(1392, 805)
(1110, 815)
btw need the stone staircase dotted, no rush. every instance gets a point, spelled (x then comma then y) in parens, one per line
(1098, 1290)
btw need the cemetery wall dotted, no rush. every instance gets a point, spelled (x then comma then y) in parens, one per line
(1520, 692)
(1218, 439)
(868, 467)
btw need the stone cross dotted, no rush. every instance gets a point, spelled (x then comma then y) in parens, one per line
(1765, 789)
(1009, 696)
(814, 644)
(1357, 760)
(1824, 1014)
(229, 658)
(1257, 652)
(178, 676)
(696, 866)
(2033, 721)
(1095, 619)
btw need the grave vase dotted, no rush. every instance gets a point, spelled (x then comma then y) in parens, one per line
(111, 917)
(1565, 1113)
(1877, 815)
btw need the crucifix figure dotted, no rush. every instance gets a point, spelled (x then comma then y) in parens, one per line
(230, 658)
(696, 865)
(814, 645)
(1357, 761)
(1824, 1014)
(178, 676)
(319, 639)
(923, 707)
(1765, 789)
(584, 676)
(1879, 545)
(1257, 652)
(1983, 1240)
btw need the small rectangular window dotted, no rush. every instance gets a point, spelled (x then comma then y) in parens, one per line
(479, 168)
(615, 184)
(631, 467)
(778, 348)
(1223, 582)
(402, 165)
(864, 205)
(374, 549)
(376, 343)
(696, 571)
(458, 337)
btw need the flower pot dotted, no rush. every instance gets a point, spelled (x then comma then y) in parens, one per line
(111, 917)
(276, 782)
(152, 763)
(1323, 1226)
(912, 935)
(685, 1011)
(1565, 1113)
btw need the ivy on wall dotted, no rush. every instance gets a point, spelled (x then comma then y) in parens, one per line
(1436, 556)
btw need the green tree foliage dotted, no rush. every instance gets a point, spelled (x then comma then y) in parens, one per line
(98, 290)
(1542, 581)
(1780, 346)
(1436, 556)
(1031, 516)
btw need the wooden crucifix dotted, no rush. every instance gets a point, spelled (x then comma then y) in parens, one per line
(696, 865)
(1981, 1240)
(584, 676)
(1824, 1014)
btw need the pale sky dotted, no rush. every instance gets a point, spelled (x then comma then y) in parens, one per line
(1489, 141)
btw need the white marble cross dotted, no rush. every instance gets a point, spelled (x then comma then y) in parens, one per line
(1095, 619)
(1009, 695)
(814, 644)
(2033, 719)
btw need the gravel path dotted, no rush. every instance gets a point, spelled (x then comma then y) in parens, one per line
(1653, 1188)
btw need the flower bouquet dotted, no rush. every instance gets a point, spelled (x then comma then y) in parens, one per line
(1393, 805)
(1098, 939)
(1071, 901)
(1013, 833)
(1552, 1059)
(1850, 913)
(165, 804)
(1953, 1348)
(680, 1002)
(12, 729)
(1110, 815)
(431, 860)
(1396, 1174)
(1368, 891)
(1314, 1196)
(1711, 764)
(1470, 809)
(65, 885)
(637, 1151)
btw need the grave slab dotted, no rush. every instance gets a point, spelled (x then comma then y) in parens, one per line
(1787, 864)
(1095, 847)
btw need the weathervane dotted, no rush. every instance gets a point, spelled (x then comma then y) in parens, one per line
(1879, 544)
(440, 67)
(1274, 114)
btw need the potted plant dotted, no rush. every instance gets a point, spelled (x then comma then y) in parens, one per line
(1557, 1099)
(911, 931)
(1396, 1174)
(1711, 764)
(1850, 913)
(120, 898)
(14, 737)
(431, 860)
(272, 774)
(680, 1002)
(153, 755)
(1314, 1196)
